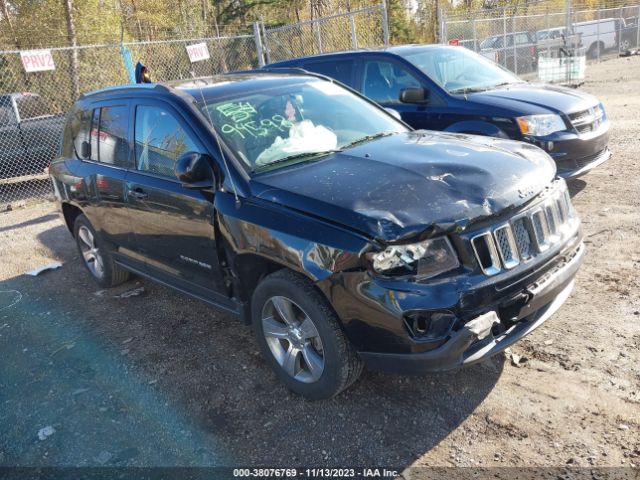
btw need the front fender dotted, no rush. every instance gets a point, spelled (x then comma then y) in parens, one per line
(477, 127)
(307, 245)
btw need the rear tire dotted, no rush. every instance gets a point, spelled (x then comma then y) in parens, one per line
(301, 338)
(592, 53)
(96, 256)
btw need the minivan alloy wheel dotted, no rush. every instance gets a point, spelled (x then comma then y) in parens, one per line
(90, 252)
(293, 339)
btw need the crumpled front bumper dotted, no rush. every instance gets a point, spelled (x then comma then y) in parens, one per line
(475, 341)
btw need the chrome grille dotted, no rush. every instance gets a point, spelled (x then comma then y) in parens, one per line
(541, 230)
(523, 240)
(507, 246)
(527, 234)
(588, 120)
(551, 218)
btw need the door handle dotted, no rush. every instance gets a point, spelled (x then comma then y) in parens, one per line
(138, 193)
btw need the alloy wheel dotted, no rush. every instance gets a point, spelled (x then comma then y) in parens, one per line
(293, 339)
(90, 252)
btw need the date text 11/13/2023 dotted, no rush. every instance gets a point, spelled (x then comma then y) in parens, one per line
(315, 473)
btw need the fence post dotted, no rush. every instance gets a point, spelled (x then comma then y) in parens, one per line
(598, 36)
(475, 34)
(504, 37)
(515, 50)
(638, 27)
(316, 26)
(265, 45)
(354, 36)
(258, 40)
(385, 23)
(619, 22)
(547, 39)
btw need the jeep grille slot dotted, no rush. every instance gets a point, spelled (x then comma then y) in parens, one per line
(486, 253)
(507, 246)
(526, 235)
(523, 240)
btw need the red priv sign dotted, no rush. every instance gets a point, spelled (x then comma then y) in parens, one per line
(37, 60)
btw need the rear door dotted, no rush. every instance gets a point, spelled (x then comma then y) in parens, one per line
(173, 225)
(106, 127)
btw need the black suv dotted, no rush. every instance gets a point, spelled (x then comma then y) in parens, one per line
(310, 212)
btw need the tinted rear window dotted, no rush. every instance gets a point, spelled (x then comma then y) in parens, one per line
(340, 70)
(104, 129)
(75, 132)
(109, 142)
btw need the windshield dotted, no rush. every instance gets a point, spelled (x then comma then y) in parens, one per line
(459, 70)
(295, 122)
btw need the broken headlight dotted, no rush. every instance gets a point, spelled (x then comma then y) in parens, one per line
(424, 259)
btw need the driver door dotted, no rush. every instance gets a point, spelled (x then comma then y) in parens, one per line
(173, 227)
(382, 80)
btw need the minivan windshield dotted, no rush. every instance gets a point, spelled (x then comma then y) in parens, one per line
(459, 70)
(295, 121)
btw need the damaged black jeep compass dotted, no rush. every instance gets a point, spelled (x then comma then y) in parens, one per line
(344, 237)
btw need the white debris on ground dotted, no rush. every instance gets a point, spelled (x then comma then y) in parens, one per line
(49, 266)
(46, 432)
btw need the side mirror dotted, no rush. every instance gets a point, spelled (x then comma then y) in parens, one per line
(194, 170)
(393, 113)
(85, 150)
(414, 95)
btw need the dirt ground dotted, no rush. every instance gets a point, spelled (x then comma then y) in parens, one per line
(159, 379)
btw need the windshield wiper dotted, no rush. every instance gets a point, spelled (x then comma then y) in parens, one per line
(466, 90)
(295, 156)
(367, 138)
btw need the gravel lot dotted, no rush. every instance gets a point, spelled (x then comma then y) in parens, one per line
(159, 379)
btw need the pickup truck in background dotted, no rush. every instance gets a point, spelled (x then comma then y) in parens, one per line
(521, 58)
(29, 135)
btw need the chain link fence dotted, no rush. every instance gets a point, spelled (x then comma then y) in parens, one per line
(362, 28)
(550, 46)
(37, 86)
(32, 103)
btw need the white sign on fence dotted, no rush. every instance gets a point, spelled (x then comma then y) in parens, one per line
(198, 52)
(37, 60)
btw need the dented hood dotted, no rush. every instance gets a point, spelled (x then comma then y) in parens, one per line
(411, 185)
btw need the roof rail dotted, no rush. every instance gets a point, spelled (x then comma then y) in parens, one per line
(129, 87)
(268, 69)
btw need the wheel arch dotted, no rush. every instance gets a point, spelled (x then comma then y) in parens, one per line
(70, 212)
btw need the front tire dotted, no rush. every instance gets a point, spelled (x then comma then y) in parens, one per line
(301, 338)
(95, 255)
